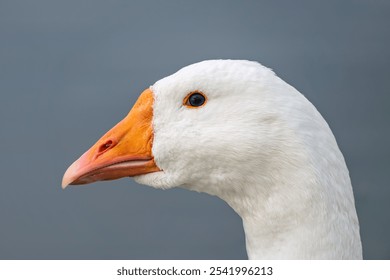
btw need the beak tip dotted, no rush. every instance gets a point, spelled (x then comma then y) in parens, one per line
(70, 175)
(64, 185)
(65, 181)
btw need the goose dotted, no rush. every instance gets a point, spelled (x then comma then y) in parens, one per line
(235, 130)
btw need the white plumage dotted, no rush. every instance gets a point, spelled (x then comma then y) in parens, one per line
(261, 146)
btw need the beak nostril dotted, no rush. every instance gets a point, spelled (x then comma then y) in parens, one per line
(106, 146)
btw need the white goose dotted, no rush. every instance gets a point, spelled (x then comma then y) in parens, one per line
(233, 129)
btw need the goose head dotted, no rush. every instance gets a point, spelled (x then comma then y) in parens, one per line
(233, 129)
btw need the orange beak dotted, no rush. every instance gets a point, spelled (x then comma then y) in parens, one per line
(125, 150)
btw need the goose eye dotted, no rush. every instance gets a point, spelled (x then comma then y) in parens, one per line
(195, 99)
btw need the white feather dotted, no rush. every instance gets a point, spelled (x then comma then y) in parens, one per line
(262, 147)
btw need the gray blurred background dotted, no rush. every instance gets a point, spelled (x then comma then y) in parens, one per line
(69, 70)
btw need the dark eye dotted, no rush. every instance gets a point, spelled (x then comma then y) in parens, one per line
(195, 99)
